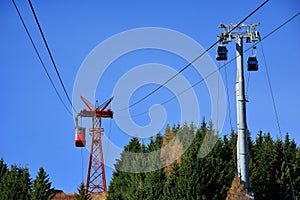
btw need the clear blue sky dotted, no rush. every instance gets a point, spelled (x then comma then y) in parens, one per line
(37, 130)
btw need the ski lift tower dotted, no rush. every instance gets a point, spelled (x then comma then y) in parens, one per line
(95, 181)
(247, 31)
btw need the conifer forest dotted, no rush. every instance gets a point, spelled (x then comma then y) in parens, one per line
(213, 176)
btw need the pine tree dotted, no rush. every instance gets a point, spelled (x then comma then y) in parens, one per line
(226, 167)
(278, 161)
(24, 183)
(41, 186)
(263, 175)
(188, 182)
(9, 184)
(170, 190)
(154, 184)
(296, 168)
(3, 171)
(288, 172)
(82, 194)
(126, 185)
(154, 180)
(15, 183)
(3, 168)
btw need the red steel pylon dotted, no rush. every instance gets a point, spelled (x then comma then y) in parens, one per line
(95, 181)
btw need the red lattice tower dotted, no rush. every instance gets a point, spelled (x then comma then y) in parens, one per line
(95, 181)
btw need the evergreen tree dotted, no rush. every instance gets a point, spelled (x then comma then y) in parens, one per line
(126, 185)
(154, 184)
(155, 143)
(24, 183)
(296, 168)
(154, 180)
(226, 167)
(288, 176)
(41, 186)
(262, 176)
(278, 159)
(82, 194)
(3, 171)
(3, 168)
(15, 183)
(189, 176)
(170, 190)
(10, 184)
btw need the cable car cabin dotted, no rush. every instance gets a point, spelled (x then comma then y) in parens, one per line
(252, 63)
(221, 53)
(80, 137)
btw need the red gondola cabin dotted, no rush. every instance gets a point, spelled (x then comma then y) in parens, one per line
(80, 137)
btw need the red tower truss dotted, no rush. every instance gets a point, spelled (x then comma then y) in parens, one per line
(95, 181)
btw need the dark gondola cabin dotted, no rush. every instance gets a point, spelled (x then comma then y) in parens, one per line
(80, 137)
(252, 63)
(221, 53)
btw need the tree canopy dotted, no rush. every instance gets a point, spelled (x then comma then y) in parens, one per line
(213, 176)
(15, 183)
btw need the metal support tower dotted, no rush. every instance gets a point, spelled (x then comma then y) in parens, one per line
(95, 181)
(249, 32)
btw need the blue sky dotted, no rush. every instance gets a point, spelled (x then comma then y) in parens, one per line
(37, 130)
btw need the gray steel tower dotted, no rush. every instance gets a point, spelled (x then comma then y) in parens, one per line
(247, 31)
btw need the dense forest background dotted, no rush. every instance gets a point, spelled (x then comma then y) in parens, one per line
(214, 176)
(196, 170)
(16, 184)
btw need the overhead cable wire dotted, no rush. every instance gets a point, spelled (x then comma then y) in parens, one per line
(224, 65)
(108, 137)
(228, 97)
(81, 152)
(195, 59)
(232, 130)
(218, 99)
(277, 120)
(40, 59)
(198, 82)
(247, 86)
(50, 54)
